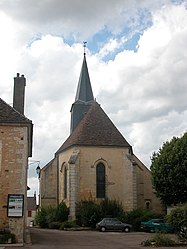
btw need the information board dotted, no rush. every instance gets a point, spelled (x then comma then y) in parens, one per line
(15, 205)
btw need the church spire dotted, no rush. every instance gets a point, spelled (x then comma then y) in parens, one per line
(84, 95)
(84, 89)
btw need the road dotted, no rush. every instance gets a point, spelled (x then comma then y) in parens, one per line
(56, 239)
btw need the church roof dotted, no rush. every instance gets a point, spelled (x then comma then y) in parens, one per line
(84, 89)
(95, 129)
(9, 115)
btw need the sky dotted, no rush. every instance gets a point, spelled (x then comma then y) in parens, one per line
(137, 61)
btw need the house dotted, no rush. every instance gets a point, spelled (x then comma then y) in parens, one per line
(96, 161)
(15, 147)
(31, 209)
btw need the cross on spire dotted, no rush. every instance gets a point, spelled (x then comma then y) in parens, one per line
(84, 45)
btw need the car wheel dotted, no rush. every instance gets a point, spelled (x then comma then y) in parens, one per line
(126, 229)
(103, 229)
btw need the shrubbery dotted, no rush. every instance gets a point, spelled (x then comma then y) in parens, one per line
(88, 213)
(52, 217)
(178, 217)
(68, 224)
(7, 237)
(159, 239)
(136, 216)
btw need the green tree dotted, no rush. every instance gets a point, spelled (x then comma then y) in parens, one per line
(169, 171)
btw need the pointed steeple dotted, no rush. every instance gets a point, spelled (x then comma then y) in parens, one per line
(84, 96)
(84, 89)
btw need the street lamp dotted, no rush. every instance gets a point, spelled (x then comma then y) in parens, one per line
(38, 171)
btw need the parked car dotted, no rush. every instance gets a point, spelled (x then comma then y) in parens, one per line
(155, 225)
(113, 224)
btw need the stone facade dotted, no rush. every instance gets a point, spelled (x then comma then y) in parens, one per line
(15, 148)
(48, 184)
(127, 180)
(13, 174)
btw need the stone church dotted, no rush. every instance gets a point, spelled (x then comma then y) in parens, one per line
(96, 161)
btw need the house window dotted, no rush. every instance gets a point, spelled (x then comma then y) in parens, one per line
(100, 180)
(65, 183)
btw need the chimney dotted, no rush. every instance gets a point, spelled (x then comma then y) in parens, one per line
(19, 93)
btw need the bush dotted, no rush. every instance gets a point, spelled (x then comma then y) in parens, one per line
(111, 208)
(178, 217)
(87, 213)
(50, 214)
(68, 224)
(40, 218)
(158, 240)
(55, 225)
(7, 237)
(62, 212)
(48, 217)
(136, 216)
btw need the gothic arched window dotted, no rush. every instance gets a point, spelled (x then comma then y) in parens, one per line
(65, 183)
(100, 180)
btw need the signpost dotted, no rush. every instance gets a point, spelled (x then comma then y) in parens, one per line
(15, 205)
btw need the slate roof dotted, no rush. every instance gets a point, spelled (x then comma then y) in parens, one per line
(95, 129)
(9, 115)
(84, 89)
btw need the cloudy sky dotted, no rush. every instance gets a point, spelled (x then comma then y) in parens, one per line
(137, 60)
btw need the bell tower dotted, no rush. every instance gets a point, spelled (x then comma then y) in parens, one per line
(84, 96)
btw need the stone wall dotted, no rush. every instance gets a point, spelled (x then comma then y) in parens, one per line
(147, 197)
(13, 174)
(119, 174)
(127, 178)
(48, 184)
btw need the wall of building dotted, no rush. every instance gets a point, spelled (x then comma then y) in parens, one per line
(127, 178)
(128, 181)
(13, 174)
(48, 184)
(119, 173)
(147, 197)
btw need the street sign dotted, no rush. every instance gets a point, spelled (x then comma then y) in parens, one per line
(15, 205)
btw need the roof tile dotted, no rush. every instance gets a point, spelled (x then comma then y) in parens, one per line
(9, 115)
(95, 129)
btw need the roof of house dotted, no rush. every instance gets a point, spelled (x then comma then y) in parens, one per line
(31, 203)
(9, 115)
(95, 129)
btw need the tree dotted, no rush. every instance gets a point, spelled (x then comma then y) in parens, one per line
(169, 171)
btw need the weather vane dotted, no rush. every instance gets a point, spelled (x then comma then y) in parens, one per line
(84, 45)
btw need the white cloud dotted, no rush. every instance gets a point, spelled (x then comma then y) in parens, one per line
(143, 92)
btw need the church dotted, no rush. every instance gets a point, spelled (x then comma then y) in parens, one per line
(96, 161)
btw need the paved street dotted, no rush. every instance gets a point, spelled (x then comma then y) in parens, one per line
(55, 239)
